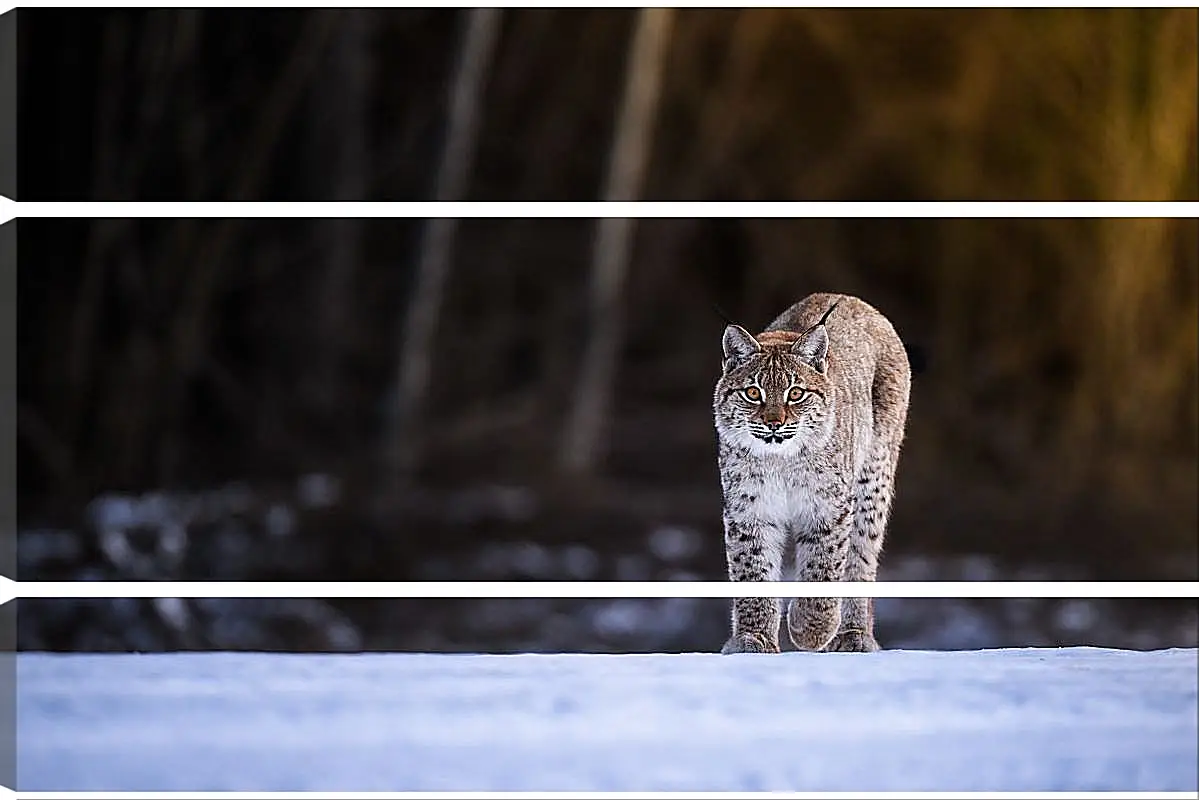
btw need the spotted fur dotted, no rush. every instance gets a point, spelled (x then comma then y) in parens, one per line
(810, 416)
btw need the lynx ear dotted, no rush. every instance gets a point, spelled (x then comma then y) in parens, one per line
(739, 344)
(812, 348)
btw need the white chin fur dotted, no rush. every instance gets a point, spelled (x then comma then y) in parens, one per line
(772, 448)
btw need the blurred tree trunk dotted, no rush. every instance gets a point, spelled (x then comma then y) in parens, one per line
(1143, 143)
(614, 239)
(340, 145)
(436, 251)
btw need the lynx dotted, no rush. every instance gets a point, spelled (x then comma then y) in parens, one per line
(810, 415)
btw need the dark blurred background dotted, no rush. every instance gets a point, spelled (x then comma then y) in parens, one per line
(775, 104)
(413, 399)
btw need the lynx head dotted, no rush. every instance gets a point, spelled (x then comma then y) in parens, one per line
(774, 394)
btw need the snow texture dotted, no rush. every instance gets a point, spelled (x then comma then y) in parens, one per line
(991, 720)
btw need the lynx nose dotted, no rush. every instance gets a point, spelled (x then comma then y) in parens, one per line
(774, 424)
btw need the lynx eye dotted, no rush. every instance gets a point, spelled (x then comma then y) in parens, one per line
(753, 393)
(796, 394)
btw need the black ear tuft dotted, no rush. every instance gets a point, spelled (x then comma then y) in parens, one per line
(831, 309)
(739, 344)
(812, 348)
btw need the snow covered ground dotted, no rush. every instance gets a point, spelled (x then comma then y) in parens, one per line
(1025, 719)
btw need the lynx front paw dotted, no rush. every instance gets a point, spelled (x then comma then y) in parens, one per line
(812, 621)
(853, 642)
(749, 643)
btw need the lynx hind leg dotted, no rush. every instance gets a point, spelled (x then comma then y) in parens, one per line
(873, 492)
